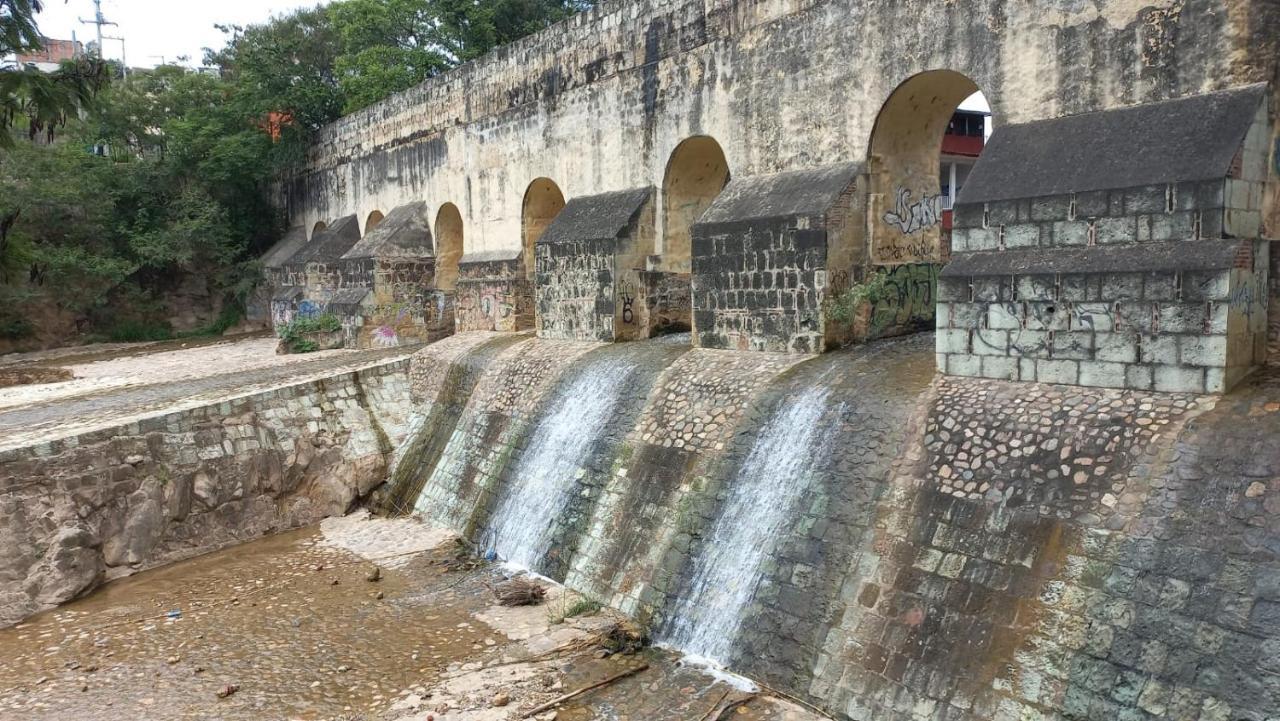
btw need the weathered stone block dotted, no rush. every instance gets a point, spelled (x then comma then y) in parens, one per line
(990, 342)
(1058, 371)
(1092, 316)
(1071, 232)
(1116, 347)
(964, 365)
(1121, 286)
(1115, 230)
(1000, 367)
(1102, 374)
(1004, 316)
(952, 341)
(1138, 377)
(1202, 350)
(1179, 379)
(1073, 344)
(1159, 349)
(1022, 235)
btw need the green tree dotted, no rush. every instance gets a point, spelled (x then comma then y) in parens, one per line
(392, 45)
(43, 102)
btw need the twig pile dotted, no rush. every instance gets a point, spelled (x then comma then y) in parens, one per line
(519, 591)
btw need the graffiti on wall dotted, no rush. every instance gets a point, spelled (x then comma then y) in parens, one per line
(904, 236)
(914, 217)
(309, 308)
(385, 336)
(905, 301)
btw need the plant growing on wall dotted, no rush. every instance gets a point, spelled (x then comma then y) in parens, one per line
(296, 335)
(843, 307)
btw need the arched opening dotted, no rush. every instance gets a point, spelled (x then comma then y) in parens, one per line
(927, 136)
(543, 201)
(696, 173)
(372, 221)
(318, 227)
(448, 234)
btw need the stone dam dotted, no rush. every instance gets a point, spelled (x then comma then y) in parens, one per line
(737, 326)
(849, 529)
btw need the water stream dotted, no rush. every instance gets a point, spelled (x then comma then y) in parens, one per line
(707, 616)
(546, 477)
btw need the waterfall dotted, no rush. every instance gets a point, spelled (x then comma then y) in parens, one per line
(706, 618)
(543, 481)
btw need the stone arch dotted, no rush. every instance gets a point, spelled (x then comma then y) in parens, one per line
(449, 246)
(908, 209)
(543, 201)
(319, 226)
(372, 221)
(696, 173)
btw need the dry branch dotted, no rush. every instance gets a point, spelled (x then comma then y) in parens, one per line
(574, 694)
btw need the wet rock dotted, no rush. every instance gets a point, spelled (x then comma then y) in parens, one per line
(71, 566)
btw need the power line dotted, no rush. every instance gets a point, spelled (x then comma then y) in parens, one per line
(98, 21)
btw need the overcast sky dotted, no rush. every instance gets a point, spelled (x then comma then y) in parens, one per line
(155, 28)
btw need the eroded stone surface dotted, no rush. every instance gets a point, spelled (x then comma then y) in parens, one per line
(173, 484)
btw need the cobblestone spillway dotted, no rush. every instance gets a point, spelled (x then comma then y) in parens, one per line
(878, 541)
(707, 616)
(567, 442)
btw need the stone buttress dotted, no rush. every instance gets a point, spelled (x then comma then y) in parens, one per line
(591, 278)
(1120, 248)
(389, 294)
(493, 292)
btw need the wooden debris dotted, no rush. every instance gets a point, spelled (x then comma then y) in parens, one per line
(590, 687)
(520, 591)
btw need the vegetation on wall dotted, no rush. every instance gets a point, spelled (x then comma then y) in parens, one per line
(163, 179)
(298, 335)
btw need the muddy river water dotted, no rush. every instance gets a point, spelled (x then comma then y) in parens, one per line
(294, 627)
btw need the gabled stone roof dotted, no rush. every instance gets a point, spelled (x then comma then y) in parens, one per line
(597, 217)
(285, 248)
(329, 244)
(290, 293)
(1126, 258)
(347, 298)
(782, 195)
(404, 233)
(1189, 139)
(490, 256)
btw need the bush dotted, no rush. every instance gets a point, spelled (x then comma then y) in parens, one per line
(138, 331)
(844, 306)
(293, 334)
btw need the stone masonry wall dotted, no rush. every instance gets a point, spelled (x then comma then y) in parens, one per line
(966, 549)
(1164, 330)
(1151, 287)
(759, 285)
(107, 503)
(496, 417)
(645, 518)
(1126, 569)
(493, 294)
(577, 289)
(598, 102)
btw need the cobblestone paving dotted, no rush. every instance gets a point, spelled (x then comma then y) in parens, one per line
(46, 420)
(147, 364)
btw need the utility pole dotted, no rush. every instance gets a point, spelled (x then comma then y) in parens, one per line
(124, 58)
(98, 21)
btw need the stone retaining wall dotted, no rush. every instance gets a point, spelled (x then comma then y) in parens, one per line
(107, 503)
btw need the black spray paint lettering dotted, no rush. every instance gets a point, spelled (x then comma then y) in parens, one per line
(914, 217)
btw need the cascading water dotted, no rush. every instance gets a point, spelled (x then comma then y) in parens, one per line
(542, 484)
(706, 618)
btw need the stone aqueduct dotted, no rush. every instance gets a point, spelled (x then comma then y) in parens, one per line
(735, 166)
